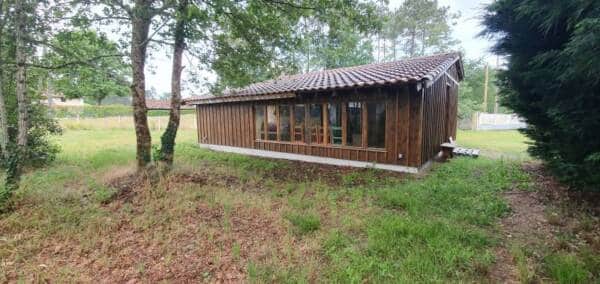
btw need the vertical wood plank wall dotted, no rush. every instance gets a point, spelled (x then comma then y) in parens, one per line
(439, 115)
(226, 124)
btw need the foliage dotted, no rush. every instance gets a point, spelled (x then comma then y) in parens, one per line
(286, 39)
(471, 91)
(102, 74)
(420, 27)
(552, 80)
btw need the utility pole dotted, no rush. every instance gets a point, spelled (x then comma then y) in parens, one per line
(485, 89)
(496, 94)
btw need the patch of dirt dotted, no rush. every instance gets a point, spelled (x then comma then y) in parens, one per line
(332, 175)
(211, 244)
(538, 217)
(127, 184)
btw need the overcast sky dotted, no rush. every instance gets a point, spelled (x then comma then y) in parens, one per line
(468, 26)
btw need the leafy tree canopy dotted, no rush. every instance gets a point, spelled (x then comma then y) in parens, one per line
(99, 73)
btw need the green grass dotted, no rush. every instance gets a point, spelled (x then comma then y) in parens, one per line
(496, 144)
(566, 269)
(434, 229)
(364, 228)
(304, 223)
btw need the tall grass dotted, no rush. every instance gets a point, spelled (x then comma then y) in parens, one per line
(158, 123)
(436, 229)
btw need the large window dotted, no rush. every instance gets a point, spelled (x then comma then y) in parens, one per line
(284, 123)
(335, 123)
(271, 122)
(354, 125)
(259, 121)
(315, 123)
(299, 125)
(376, 124)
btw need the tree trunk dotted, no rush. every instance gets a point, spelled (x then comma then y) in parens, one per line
(140, 25)
(413, 42)
(3, 111)
(21, 85)
(168, 138)
(16, 166)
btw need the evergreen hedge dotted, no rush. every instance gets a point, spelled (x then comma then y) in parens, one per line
(553, 80)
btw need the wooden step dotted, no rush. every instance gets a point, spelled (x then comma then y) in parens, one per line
(459, 151)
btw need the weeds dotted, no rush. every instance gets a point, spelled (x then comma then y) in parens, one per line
(304, 223)
(365, 228)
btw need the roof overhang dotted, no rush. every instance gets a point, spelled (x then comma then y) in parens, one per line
(227, 99)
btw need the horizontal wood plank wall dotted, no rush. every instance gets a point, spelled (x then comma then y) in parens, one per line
(347, 153)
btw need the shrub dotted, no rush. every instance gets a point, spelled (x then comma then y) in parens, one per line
(552, 80)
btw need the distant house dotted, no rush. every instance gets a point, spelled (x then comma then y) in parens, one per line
(59, 100)
(162, 105)
(392, 115)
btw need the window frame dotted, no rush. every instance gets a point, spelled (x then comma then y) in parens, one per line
(324, 104)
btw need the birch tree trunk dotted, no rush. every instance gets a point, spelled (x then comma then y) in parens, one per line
(3, 117)
(21, 84)
(140, 25)
(168, 138)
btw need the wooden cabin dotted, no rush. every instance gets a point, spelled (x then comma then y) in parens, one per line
(392, 115)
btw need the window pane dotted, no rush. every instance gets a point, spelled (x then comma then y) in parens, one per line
(299, 115)
(259, 120)
(335, 123)
(315, 123)
(284, 122)
(354, 131)
(271, 122)
(376, 121)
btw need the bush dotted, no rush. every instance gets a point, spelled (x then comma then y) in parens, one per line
(552, 80)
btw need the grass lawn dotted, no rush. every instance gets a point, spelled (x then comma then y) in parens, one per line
(496, 144)
(226, 217)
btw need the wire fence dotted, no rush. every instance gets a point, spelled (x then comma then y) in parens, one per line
(188, 122)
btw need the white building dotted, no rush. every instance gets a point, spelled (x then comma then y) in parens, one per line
(53, 100)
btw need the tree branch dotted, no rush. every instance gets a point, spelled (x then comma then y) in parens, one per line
(87, 62)
(289, 4)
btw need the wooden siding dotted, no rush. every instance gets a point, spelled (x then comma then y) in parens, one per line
(417, 122)
(439, 114)
(226, 124)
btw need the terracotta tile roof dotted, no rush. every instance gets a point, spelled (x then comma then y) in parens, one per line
(409, 70)
(162, 105)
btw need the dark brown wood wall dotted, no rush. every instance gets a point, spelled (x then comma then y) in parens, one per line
(417, 122)
(385, 156)
(229, 124)
(439, 114)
